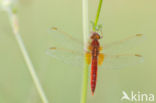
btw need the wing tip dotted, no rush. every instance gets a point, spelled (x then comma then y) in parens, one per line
(54, 28)
(52, 48)
(140, 57)
(139, 35)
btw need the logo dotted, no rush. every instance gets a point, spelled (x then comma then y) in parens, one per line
(137, 97)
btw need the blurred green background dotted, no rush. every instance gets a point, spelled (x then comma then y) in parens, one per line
(62, 82)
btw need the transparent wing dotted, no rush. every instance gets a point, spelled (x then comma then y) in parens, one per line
(123, 45)
(121, 60)
(61, 38)
(74, 54)
(67, 56)
(67, 49)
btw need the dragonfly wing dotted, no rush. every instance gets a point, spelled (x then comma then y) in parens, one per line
(121, 60)
(61, 38)
(123, 45)
(67, 56)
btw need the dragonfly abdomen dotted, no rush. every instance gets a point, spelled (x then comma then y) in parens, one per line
(95, 52)
(93, 74)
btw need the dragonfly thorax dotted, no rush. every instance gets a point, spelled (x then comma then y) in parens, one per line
(95, 36)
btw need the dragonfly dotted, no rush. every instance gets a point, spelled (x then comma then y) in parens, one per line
(97, 54)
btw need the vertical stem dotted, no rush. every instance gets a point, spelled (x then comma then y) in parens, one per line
(97, 15)
(85, 21)
(85, 84)
(15, 28)
(85, 34)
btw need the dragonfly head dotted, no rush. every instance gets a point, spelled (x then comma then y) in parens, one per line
(95, 35)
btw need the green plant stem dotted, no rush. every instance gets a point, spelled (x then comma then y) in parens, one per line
(97, 15)
(31, 67)
(85, 36)
(85, 84)
(85, 21)
(15, 27)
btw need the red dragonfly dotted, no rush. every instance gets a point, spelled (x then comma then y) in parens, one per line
(106, 56)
